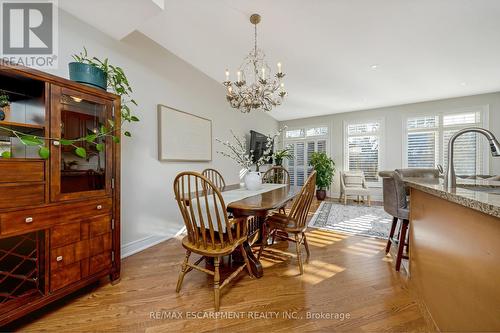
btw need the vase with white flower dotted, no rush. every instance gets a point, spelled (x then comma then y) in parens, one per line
(238, 152)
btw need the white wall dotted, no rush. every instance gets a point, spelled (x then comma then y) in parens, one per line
(393, 118)
(149, 211)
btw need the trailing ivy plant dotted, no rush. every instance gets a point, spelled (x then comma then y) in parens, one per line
(118, 83)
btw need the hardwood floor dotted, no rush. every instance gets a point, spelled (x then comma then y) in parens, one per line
(347, 276)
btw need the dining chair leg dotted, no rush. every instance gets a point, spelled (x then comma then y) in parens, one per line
(273, 233)
(247, 262)
(263, 240)
(183, 271)
(345, 199)
(391, 234)
(216, 284)
(306, 246)
(299, 256)
(401, 245)
(369, 201)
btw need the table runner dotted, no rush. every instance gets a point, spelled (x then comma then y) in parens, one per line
(243, 193)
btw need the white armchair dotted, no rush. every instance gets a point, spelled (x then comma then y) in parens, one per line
(353, 183)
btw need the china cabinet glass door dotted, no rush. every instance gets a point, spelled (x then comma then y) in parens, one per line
(81, 164)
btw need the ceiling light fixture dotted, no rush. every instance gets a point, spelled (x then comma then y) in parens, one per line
(374, 66)
(263, 92)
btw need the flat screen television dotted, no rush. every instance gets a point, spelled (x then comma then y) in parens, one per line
(258, 144)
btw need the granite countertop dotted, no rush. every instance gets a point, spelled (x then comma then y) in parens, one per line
(488, 203)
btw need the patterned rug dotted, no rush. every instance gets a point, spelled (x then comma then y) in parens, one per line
(353, 219)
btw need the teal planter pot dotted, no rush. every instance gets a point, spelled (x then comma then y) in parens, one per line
(88, 74)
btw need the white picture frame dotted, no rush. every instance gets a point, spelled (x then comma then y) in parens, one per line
(183, 136)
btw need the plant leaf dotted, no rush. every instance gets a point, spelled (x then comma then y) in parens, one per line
(66, 142)
(134, 118)
(44, 152)
(6, 154)
(111, 123)
(103, 129)
(30, 140)
(81, 152)
(99, 146)
(127, 133)
(116, 139)
(90, 138)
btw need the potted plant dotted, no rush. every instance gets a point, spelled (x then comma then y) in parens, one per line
(282, 154)
(325, 169)
(85, 70)
(117, 82)
(4, 106)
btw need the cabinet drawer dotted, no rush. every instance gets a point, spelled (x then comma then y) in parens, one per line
(21, 195)
(64, 234)
(69, 254)
(100, 262)
(90, 209)
(41, 218)
(60, 278)
(14, 171)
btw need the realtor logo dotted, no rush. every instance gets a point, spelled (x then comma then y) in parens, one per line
(29, 32)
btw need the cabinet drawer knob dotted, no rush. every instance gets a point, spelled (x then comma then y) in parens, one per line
(56, 143)
(28, 219)
(59, 258)
(99, 207)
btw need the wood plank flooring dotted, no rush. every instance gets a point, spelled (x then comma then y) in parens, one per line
(346, 276)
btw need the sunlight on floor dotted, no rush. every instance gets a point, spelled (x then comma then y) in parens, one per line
(366, 247)
(315, 271)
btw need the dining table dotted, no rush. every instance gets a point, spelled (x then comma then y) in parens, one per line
(257, 208)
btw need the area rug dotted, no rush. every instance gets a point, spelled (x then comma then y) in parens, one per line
(352, 219)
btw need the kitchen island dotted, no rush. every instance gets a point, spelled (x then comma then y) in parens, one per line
(455, 253)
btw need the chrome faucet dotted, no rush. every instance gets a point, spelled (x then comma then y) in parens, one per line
(450, 179)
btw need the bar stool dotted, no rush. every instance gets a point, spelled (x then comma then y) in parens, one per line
(396, 204)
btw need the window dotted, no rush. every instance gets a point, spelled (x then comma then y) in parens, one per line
(303, 142)
(293, 134)
(362, 148)
(427, 140)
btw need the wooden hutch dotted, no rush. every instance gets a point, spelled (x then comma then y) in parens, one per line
(60, 217)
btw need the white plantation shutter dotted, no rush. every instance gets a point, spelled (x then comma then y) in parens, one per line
(422, 149)
(363, 149)
(311, 148)
(428, 137)
(313, 140)
(321, 146)
(291, 163)
(465, 159)
(300, 163)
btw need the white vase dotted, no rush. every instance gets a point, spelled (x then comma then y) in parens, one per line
(253, 181)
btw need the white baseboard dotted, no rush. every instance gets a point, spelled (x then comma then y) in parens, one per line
(142, 244)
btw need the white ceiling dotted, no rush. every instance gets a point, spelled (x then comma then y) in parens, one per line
(423, 50)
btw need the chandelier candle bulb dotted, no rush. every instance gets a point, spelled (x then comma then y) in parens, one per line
(279, 67)
(263, 73)
(227, 75)
(239, 76)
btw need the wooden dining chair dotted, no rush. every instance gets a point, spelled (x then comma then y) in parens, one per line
(210, 233)
(277, 175)
(282, 225)
(215, 177)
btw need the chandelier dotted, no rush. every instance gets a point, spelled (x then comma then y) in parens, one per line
(263, 92)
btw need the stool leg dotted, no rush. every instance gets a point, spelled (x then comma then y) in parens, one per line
(402, 241)
(391, 234)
